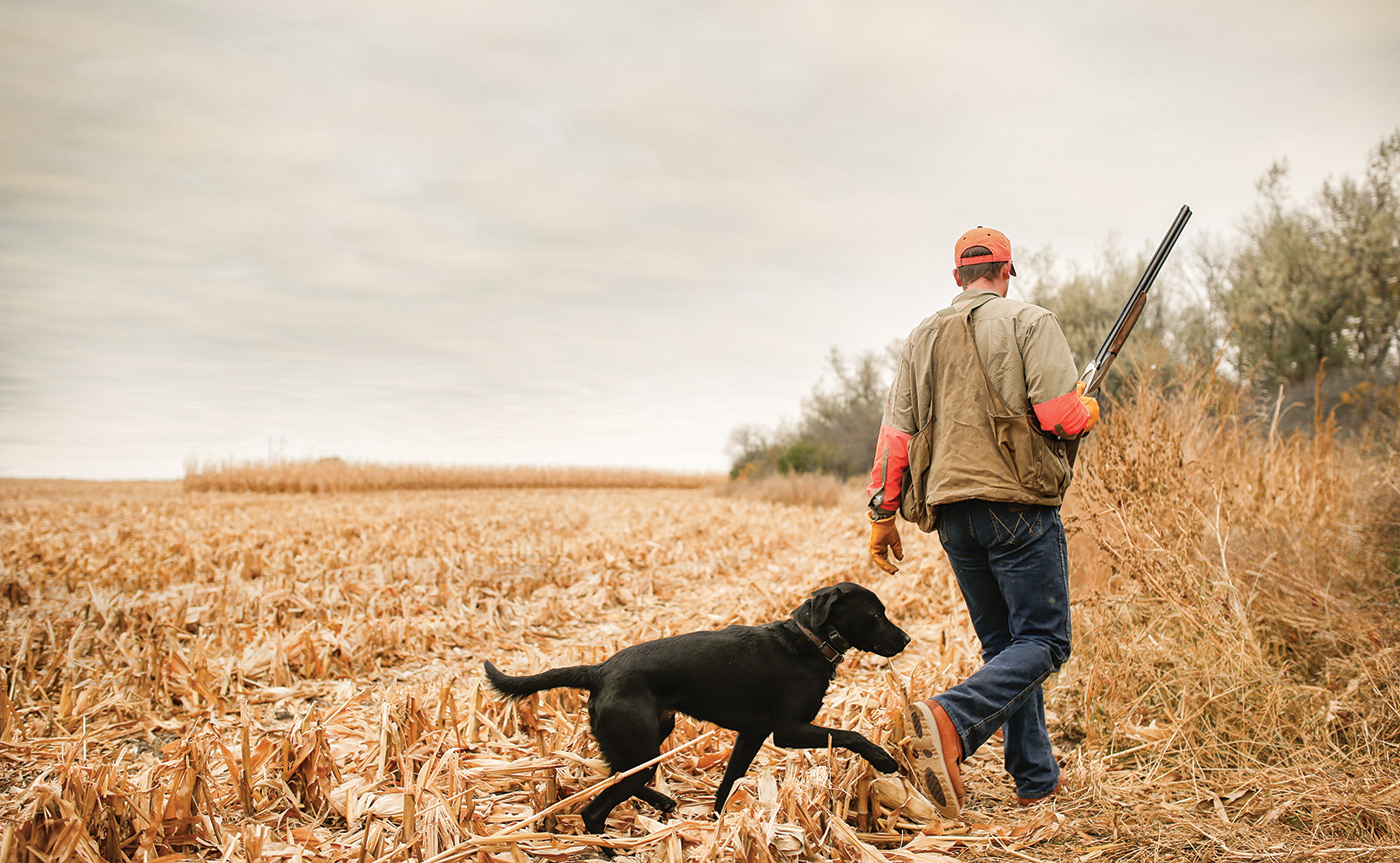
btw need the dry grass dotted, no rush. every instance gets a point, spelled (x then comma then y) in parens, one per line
(245, 676)
(336, 475)
(799, 489)
(1241, 660)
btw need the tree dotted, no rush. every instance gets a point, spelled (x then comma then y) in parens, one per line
(1317, 283)
(1087, 302)
(837, 430)
(752, 451)
(842, 419)
(1362, 232)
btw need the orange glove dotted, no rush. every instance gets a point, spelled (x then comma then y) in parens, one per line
(884, 538)
(1092, 404)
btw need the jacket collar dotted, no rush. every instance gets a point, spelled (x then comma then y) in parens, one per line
(970, 299)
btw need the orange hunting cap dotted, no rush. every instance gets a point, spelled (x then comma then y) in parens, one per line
(988, 238)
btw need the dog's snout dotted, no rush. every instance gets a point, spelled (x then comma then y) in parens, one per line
(894, 640)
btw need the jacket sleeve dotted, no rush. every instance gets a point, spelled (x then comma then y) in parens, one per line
(897, 426)
(1050, 380)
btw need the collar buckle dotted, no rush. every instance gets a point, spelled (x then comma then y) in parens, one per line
(832, 655)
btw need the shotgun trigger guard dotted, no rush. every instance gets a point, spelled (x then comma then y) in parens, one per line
(1090, 385)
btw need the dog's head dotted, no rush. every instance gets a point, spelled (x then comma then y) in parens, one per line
(856, 615)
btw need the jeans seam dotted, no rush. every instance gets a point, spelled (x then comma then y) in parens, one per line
(1064, 581)
(1004, 533)
(1007, 533)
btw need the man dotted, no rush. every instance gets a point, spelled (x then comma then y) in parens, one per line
(985, 395)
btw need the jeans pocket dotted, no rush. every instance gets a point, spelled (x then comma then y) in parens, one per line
(1017, 523)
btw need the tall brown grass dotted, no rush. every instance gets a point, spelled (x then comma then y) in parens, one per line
(1243, 656)
(337, 475)
(797, 489)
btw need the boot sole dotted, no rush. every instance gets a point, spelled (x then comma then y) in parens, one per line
(929, 761)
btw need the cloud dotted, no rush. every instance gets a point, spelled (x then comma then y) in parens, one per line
(579, 233)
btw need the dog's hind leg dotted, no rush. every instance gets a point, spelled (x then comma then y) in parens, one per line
(629, 734)
(746, 747)
(660, 801)
(595, 814)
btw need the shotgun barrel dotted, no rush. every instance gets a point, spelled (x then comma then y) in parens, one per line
(1098, 367)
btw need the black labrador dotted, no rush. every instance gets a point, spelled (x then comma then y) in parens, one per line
(756, 680)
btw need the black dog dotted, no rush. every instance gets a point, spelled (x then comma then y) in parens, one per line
(756, 680)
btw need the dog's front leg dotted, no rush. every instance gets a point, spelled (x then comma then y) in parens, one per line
(809, 736)
(746, 746)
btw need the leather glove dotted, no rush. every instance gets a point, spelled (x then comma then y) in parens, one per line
(1092, 404)
(884, 539)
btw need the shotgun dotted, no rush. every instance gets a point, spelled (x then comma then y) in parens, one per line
(1097, 369)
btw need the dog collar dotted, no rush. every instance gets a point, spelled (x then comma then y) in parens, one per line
(832, 654)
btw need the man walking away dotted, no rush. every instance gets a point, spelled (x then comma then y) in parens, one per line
(985, 395)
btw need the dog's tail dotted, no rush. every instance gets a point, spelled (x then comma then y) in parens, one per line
(575, 676)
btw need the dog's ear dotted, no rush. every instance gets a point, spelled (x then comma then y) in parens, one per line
(822, 599)
(820, 602)
(819, 607)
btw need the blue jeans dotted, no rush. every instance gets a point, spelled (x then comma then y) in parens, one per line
(1012, 565)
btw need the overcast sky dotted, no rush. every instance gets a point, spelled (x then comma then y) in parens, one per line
(585, 232)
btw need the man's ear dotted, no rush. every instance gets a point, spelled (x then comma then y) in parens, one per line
(957, 278)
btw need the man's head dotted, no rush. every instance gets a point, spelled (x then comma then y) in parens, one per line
(983, 253)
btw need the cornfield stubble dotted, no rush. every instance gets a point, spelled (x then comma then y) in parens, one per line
(236, 675)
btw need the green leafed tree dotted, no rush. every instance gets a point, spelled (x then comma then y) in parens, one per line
(1172, 330)
(1362, 225)
(841, 417)
(1317, 283)
(837, 429)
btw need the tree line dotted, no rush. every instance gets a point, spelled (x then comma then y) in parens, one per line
(1302, 309)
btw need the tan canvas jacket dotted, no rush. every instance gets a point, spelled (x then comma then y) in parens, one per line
(1028, 364)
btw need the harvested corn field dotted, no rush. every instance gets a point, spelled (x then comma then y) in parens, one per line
(335, 474)
(250, 675)
(241, 676)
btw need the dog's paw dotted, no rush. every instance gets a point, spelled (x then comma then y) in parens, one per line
(660, 802)
(884, 762)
